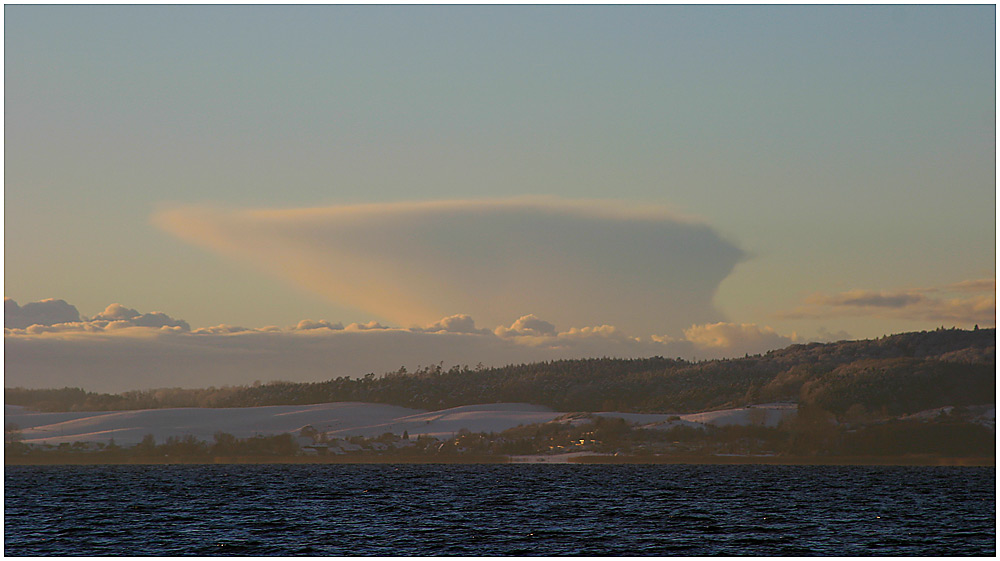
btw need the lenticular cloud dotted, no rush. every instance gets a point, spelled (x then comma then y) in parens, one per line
(574, 262)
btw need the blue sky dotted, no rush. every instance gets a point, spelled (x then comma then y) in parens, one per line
(837, 149)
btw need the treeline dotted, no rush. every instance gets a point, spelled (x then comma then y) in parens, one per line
(943, 437)
(224, 445)
(808, 435)
(892, 375)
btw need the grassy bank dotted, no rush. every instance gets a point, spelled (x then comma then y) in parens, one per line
(792, 460)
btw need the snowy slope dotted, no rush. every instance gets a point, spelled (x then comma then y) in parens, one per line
(337, 420)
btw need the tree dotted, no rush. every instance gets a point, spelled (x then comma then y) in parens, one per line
(225, 444)
(813, 429)
(12, 434)
(147, 447)
(283, 445)
(12, 440)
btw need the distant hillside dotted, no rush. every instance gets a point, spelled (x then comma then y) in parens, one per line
(893, 375)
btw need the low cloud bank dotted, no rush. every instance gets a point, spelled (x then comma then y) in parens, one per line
(963, 303)
(56, 316)
(122, 349)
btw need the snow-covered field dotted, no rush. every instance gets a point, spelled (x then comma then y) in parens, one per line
(767, 415)
(980, 414)
(337, 420)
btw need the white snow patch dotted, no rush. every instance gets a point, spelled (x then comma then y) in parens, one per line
(985, 415)
(927, 414)
(493, 417)
(551, 458)
(765, 415)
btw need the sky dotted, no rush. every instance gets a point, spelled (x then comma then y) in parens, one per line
(186, 186)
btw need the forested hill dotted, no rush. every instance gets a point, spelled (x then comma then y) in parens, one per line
(892, 375)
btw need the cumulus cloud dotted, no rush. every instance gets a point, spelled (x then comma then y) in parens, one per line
(308, 324)
(601, 331)
(68, 327)
(371, 325)
(963, 303)
(220, 329)
(824, 335)
(459, 323)
(45, 312)
(736, 338)
(117, 312)
(158, 319)
(527, 326)
(641, 268)
(119, 360)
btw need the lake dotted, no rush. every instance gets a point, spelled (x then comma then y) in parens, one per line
(595, 510)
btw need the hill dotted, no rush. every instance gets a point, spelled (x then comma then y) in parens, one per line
(893, 375)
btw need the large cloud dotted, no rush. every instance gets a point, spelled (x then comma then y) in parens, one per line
(110, 354)
(572, 262)
(964, 303)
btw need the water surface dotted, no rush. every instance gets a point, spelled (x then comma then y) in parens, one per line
(499, 510)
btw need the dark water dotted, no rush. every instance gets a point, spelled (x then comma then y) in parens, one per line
(498, 510)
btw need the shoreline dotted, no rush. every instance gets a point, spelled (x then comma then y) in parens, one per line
(585, 459)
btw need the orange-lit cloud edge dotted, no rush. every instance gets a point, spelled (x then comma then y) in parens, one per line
(121, 349)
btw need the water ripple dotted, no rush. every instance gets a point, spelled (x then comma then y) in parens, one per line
(404, 510)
